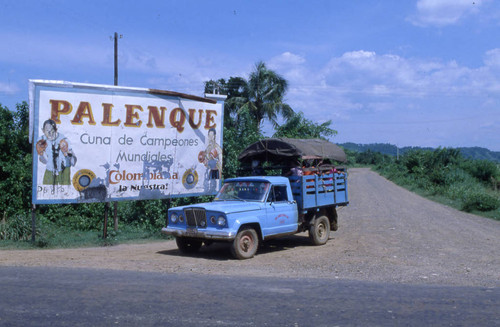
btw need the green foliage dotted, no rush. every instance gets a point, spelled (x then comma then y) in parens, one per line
(371, 158)
(236, 139)
(235, 87)
(480, 201)
(475, 153)
(85, 216)
(428, 162)
(261, 96)
(382, 148)
(16, 228)
(15, 162)
(297, 126)
(149, 215)
(483, 170)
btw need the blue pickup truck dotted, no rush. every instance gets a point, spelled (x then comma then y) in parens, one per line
(251, 209)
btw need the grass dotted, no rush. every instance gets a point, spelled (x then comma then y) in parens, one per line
(51, 237)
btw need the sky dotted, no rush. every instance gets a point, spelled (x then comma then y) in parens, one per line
(410, 73)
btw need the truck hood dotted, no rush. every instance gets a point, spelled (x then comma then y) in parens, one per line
(225, 206)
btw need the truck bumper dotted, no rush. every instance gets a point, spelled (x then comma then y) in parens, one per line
(218, 235)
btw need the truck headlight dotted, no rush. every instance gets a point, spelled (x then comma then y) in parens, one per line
(173, 217)
(181, 218)
(221, 221)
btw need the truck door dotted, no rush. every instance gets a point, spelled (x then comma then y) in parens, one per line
(281, 212)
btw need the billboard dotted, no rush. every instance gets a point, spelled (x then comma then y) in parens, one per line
(95, 143)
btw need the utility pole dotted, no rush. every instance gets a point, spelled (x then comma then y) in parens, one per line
(115, 204)
(116, 57)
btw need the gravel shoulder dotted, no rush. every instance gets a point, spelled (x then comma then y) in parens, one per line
(386, 234)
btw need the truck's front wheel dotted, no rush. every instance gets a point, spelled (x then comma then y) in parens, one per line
(188, 245)
(319, 230)
(245, 244)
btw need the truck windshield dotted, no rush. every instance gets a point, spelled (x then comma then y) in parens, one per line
(246, 191)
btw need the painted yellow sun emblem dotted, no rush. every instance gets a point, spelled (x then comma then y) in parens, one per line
(82, 179)
(190, 178)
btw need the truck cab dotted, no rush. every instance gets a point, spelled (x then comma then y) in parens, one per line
(264, 204)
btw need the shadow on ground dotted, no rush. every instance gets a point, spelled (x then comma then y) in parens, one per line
(222, 250)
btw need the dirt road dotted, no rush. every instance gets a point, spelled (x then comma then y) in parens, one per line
(386, 234)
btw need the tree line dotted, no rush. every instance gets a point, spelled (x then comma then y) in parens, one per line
(394, 150)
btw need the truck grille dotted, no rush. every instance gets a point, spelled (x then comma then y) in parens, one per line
(195, 217)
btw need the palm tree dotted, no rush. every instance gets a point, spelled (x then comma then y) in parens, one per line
(235, 87)
(262, 96)
(300, 127)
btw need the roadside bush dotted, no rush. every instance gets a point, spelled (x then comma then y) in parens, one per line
(438, 176)
(480, 201)
(424, 161)
(149, 214)
(15, 161)
(483, 170)
(443, 157)
(457, 175)
(16, 228)
(396, 173)
(457, 190)
(424, 183)
(369, 157)
(413, 161)
(85, 216)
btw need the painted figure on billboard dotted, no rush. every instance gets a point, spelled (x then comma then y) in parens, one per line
(213, 156)
(54, 151)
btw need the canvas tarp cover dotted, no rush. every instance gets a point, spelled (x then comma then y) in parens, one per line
(284, 149)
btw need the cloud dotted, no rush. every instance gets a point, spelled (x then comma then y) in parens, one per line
(289, 64)
(443, 12)
(364, 82)
(366, 72)
(492, 58)
(286, 59)
(8, 88)
(370, 74)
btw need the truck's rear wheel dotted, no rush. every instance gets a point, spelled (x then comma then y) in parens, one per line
(319, 230)
(245, 244)
(188, 245)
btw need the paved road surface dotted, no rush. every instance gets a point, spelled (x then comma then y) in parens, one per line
(86, 297)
